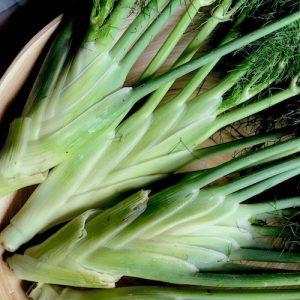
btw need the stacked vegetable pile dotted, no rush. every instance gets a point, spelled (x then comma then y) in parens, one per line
(183, 234)
(89, 139)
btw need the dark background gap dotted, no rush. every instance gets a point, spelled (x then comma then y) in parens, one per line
(20, 20)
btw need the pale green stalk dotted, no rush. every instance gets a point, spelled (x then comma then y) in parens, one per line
(87, 60)
(113, 66)
(55, 138)
(54, 148)
(220, 14)
(51, 68)
(123, 160)
(87, 192)
(172, 237)
(258, 106)
(39, 115)
(147, 158)
(173, 38)
(47, 292)
(49, 198)
(213, 55)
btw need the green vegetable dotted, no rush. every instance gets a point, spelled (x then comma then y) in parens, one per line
(46, 292)
(79, 98)
(190, 233)
(68, 104)
(153, 142)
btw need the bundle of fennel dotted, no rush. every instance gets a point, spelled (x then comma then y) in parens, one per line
(84, 137)
(79, 95)
(189, 233)
(155, 141)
